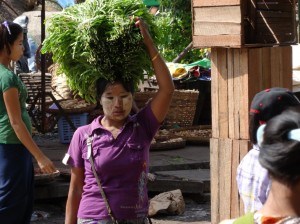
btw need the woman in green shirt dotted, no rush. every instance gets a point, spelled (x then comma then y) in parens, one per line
(16, 144)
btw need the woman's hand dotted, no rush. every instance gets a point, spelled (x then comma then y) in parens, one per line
(45, 164)
(144, 30)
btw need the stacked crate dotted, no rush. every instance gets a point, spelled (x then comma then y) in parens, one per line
(235, 23)
(250, 52)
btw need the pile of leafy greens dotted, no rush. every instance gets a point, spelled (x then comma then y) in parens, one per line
(98, 39)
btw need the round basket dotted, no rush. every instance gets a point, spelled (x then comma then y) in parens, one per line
(182, 109)
(48, 59)
(73, 110)
(167, 145)
(59, 84)
(194, 134)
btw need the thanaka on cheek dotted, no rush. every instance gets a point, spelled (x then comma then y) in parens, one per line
(117, 107)
(127, 103)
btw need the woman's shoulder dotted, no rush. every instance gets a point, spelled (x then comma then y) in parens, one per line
(7, 76)
(8, 79)
(5, 70)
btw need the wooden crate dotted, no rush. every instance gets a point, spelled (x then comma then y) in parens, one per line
(243, 23)
(237, 75)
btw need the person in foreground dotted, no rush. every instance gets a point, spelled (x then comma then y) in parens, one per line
(120, 147)
(252, 179)
(16, 144)
(279, 141)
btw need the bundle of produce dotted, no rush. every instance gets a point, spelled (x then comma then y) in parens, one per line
(98, 39)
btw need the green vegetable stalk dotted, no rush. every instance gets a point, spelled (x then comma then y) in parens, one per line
(98, 39)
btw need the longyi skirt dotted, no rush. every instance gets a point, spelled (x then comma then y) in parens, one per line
(16, 184)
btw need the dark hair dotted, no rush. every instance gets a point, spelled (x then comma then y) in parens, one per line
(8, 37)
(253, 126)
(279, 154)
(102, 84)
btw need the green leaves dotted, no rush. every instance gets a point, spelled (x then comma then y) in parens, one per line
(175, 24)
(97, 39)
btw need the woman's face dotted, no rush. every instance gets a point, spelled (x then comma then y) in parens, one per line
(17, 48)
(116, 102)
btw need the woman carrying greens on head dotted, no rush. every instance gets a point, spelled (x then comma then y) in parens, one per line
(16, 144)
(119, 144)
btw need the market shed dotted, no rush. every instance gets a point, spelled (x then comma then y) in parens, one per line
(250, 51)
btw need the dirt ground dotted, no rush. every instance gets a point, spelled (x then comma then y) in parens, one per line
(52, 212)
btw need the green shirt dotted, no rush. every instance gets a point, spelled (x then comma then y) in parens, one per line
(9, 80)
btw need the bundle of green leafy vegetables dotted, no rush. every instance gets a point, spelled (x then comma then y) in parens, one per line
(98, 39)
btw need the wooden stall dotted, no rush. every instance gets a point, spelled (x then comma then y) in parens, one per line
(237, 74)
(250, 51)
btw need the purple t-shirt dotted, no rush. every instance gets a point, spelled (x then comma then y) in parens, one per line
(122, 165)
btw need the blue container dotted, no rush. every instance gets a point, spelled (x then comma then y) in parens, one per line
(65, 131)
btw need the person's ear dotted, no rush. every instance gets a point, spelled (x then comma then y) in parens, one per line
(100, 101)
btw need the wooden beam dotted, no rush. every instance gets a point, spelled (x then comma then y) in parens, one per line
(202, 3)
(214, 180)
(214, 94)
(236, 92)
(230, 14)
(223, 92)
(201, 41)
(244, 99)
(216, 28)
(231, 103)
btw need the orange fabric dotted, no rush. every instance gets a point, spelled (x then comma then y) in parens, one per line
(270, 220)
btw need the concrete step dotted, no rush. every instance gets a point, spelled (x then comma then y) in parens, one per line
(195, 181)
(189, 157)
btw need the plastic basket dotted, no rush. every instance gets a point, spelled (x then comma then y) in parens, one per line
(65, 131)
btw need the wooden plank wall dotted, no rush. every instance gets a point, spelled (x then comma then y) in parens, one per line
(237, 75)
(237, 23)
(217, 25)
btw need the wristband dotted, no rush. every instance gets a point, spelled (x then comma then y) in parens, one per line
(152, 59)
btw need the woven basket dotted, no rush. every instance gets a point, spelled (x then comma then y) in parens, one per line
(168, 145)
(195, 134)
(59, 85)
(77, 107)
(182, 109)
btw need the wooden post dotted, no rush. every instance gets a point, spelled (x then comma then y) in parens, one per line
(237, 75)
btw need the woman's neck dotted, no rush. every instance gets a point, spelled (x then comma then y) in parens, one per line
(283, 200)
(108, 123)
(5, 61)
